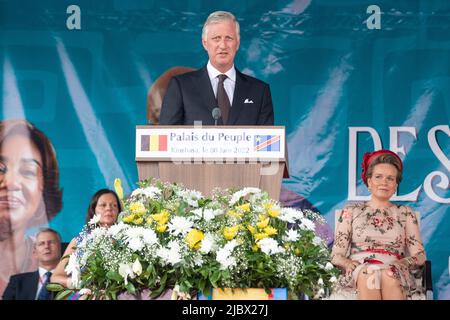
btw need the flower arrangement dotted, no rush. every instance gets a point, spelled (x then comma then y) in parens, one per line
(169, 237)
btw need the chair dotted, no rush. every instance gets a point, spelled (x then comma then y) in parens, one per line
(425, 280)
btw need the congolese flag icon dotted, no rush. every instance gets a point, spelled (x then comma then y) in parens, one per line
(267, 143)
(154, 142)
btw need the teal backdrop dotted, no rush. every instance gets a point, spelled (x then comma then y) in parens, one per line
(344, 80)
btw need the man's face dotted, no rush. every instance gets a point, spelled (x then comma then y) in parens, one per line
(221, 43)
(48, 248)
(21, 184)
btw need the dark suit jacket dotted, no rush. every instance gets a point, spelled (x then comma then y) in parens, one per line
(22, 286)
(190, 97)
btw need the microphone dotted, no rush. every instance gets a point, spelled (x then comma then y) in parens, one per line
(216, 114)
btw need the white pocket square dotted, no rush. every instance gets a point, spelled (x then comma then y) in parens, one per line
(248, 101)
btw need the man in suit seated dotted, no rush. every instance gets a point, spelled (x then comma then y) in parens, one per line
(31, 285)
(241, 99)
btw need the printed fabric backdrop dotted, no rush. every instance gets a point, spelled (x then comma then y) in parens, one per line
(345, 79)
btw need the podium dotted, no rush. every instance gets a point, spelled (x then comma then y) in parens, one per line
(205, 157)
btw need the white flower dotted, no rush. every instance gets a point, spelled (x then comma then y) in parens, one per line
(270, 246)
(290, 215)
(328, 266)
(320, 282)
(150, 237)
(242, 193)
(223, 255)
(209, 214)
(307, 224)
(99, 232)
(149, 192)
(198, 213)
(135, 244)
(72, 264)
(207, 244)
(72, 268)
(125, 270)
(333, 279)
(190, 196)
(137, 267)
(320, 293)
(85, 292)
(180, 225)
(317, 241)
(291, 235)
(134, 232)
(94, 220)
(115, 229)
(170, 255)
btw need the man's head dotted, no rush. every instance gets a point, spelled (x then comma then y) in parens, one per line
(48, 248)
(221, 39)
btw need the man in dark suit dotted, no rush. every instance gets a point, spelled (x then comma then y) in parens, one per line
(198, 95)
(31, 285)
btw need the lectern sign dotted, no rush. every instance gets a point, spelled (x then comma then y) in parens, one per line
(210, 142)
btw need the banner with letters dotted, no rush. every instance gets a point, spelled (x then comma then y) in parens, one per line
(346, 77)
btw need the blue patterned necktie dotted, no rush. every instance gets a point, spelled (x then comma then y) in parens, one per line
(44, 294)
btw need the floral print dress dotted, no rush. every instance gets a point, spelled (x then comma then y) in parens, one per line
(379, 239)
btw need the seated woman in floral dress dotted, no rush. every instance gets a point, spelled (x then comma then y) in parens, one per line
(377, 243)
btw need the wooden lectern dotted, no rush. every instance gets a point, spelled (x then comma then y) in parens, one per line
(205, 157)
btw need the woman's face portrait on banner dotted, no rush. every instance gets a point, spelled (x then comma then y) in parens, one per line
(21, 184)
(30, 195)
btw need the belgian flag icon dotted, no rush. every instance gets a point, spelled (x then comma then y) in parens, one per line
(154, 142)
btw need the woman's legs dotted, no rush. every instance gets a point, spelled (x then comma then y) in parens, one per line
(390, 287)
(368, 286)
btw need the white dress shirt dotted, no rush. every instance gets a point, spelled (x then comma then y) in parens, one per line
(228, 84)
(42, 279)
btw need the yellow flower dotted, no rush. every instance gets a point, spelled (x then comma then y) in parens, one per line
(251, 229)
(262, 217)
(255, 248)
(297, 252)
(129, 219)
(270, 211)
(273, 213)
(161, 228)
(118, 188)
(260, 235)
(149, 220)
(230, 232)
(263, 223)
(162, 217)
(138, 220)
(270, 231)
(137, 208)
(194, 238)
(244, 207)
(235, 214)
